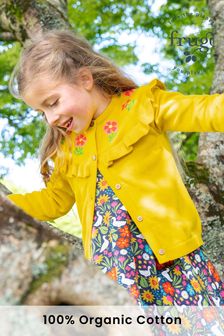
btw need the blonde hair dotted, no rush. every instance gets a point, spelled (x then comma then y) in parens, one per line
(61, 53)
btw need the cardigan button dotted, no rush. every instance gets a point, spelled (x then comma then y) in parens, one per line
(118, 186)
(139, 218)
(94, 157)
(161, 251)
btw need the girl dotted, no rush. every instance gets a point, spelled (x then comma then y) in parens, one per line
(111, 153)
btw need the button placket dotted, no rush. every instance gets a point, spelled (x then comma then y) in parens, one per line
(93, 153)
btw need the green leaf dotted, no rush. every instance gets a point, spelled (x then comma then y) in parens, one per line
(143, 282)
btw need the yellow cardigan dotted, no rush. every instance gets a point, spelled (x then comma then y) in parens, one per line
(128, 144)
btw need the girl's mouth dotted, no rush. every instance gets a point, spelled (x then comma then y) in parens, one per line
(69, 125)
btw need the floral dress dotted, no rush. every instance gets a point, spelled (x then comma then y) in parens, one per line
(120, 251)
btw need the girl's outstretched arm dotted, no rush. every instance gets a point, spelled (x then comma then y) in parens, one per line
(175, 111)
(49, 203)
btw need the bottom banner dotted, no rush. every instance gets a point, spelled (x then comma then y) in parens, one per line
(111, 320)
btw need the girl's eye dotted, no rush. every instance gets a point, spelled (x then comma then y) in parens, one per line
(54, 104)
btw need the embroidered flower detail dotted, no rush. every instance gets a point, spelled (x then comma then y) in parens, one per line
(125, 104)
(196, 285)
(134, 291)
(102, 184)
(129, 92)
(106, 218)
(168, 288)
(124, 231)
(122, 242)
(110, 128)
(128, 104)
(167, 300)
(79, 143)
(102, 199)
(153, 282)
(98, 258)
(112, 273)
(80, 140)
(148, 296)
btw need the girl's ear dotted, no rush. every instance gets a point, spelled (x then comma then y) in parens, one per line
(85, 78)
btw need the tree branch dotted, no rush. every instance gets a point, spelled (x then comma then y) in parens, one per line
(6, 36)
(11, 214)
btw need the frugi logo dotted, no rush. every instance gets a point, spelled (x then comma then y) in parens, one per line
(195, 45)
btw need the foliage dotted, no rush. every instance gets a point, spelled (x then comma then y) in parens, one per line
(23, 130)
(102, 22)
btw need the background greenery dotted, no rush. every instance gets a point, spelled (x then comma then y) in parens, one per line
(102, 22)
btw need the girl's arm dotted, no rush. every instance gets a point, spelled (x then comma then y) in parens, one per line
(49, 203)
(175, 111)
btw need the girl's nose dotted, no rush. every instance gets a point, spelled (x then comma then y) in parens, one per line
(52, 119)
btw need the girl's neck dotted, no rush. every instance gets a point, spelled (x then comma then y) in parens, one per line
(102, 102)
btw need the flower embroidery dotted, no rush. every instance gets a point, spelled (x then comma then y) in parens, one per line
(103, 184)
(153, 282)
(167, 300)
(80, 140)
(168, 288)
(98, 258)
(128, 104)
(148, 296)
(106, 218)
(129, 92)
(124, 231)
(125, 104)
(112, 273)
(177, 270)
(102, 199)
(134, 291)
(122, 243)
(195, 284)
(110, 128)
(79, 143)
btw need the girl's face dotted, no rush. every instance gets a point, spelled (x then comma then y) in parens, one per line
(67, 105)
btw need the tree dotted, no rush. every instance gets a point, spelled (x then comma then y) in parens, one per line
(47, 255)
(100, 22)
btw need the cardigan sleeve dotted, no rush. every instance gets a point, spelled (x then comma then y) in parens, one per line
(49, 203)
(175, 111)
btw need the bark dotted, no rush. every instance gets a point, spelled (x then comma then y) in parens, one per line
(21, 19)
(209, 192)
(41, 265)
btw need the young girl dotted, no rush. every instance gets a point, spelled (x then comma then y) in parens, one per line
(112, 156)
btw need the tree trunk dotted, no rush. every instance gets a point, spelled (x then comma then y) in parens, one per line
(210, 193)
(22, 19)
(40, 265)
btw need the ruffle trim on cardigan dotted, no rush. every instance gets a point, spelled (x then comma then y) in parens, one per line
(71, 168)
(142, 126)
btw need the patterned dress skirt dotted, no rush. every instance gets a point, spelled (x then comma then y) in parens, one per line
(120, 251)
